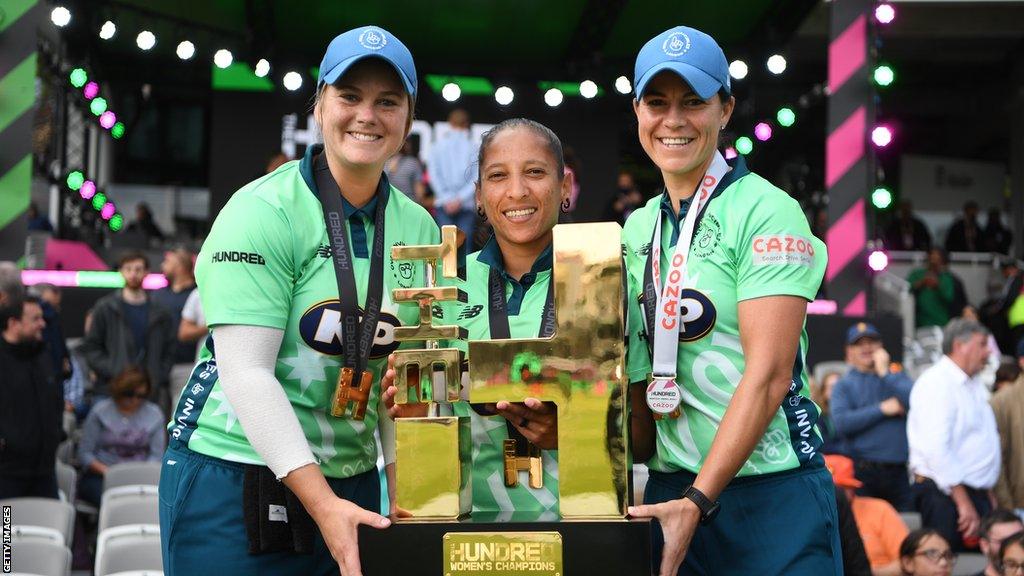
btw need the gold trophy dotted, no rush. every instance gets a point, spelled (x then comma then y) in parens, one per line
(580, 368)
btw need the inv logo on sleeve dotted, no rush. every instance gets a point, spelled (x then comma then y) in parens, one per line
(771, 249)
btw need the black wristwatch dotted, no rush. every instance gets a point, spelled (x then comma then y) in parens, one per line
(708, 509)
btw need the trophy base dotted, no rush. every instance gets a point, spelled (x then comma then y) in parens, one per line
(592, 546)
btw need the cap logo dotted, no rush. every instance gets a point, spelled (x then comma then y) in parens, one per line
(861, 327)
(373, 39)
(676, 44)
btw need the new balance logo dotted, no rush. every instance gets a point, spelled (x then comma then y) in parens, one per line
(324, 251)
(470, 312)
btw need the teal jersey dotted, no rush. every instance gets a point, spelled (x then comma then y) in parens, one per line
(268, 262)
(525, 305)
(752, 240)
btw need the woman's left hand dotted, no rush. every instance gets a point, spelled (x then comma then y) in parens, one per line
(536, 420)
(678, 519)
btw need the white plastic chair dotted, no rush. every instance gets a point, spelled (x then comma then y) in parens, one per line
(129, 508)
(67, 482)
(40, 558)
(127, 473)
(969, 564)
(131, 548)
(911, 519)
(36, 533)
(43, 512)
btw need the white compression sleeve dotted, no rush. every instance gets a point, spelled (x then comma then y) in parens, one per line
(246, 356)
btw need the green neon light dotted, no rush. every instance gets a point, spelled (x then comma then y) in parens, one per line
(79, 77)
(786, 117)
(470, 85)
(99, 200)
(239, 77)
(116, 222)
(98, 106)
(744, 145)
(75, 180)
(96, 279)
(117, 131)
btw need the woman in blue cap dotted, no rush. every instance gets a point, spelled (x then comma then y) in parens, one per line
(271, 464)
(720, 268)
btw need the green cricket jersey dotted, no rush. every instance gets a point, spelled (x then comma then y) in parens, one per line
(752, 240)
(525, 305)
(267, 262)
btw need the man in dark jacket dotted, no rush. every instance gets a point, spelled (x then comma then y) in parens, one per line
(129, 329)
(31, 404)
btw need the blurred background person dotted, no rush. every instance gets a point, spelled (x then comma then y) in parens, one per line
(193, 326)
(832, 441)
(924, 552)
(998, 238)
(906, 231)
(934, 290)
(879, 524)
(36, 221)
(123, 428)
(965, 233)
(1008, 408)
(145, 224)
(405, 172)
(31, 404)
(177, 267)
(49, 297)
(1011, 556)
(995, 528)
(452, 177)
(625, 200)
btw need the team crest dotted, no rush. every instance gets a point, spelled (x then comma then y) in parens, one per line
(676, 44)
(373, 39)
(709, 234)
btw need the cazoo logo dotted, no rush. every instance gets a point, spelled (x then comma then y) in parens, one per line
(320, 327)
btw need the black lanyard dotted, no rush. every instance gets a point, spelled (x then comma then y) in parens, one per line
(498, 312)
(356, 337)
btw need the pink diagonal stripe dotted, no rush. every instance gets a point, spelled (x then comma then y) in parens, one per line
(845, 146)
(847, 53)
(858, 306)
(845, 239)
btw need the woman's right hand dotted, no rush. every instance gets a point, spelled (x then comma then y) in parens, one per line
(339, 520)
(387, 384)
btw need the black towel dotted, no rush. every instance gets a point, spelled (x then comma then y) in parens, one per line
(275, 520)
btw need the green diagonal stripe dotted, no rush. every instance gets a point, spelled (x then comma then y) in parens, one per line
(15, 190)
(12, 10)
(17, 90)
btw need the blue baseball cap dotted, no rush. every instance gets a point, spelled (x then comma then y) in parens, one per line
(688, 52)
(350, 47)
(861, 330)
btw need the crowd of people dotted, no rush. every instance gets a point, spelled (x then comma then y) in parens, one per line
(943, 445)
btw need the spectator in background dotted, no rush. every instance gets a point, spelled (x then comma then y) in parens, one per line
(1011, 555)
(452, 177)
(995, 312)
(1006, 375)
(965, 233)
(997, 237)
(627, 198)
(934, 291)
(49, 298)
(995, 528)
(924, 552)
(144, 223)
(907, 232)
(406, 173)
(10, 283)
(821, 393)
(869, 407)
(1008, 407)
(123, 428)
(855, 559)
(36, 221)
(880, 526)
(193, 323)
(31, 404)
(177, 267)
(954, 444)
(128, 329)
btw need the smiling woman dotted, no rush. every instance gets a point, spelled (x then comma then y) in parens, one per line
(265, 418)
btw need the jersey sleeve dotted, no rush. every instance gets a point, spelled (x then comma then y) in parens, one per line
(245, 267)
(776, 254)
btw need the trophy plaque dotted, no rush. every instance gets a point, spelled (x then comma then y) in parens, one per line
(580, 369)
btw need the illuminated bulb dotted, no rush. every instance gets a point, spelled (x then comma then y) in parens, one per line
(504, 95)
(738, 69)
(185, 50)
(60, 16)
(262, 68)
(145, 40)
(108, 30)
(622, 85)
(451, 92)
(223, 58)
(588, 89)
(553, 97)
(292, 81)
(776, 64)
